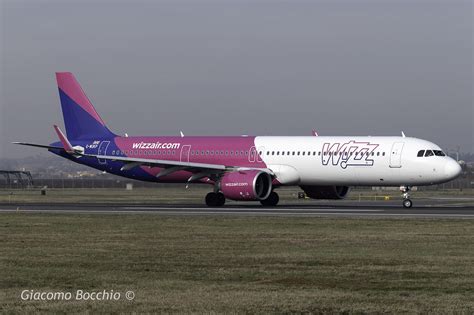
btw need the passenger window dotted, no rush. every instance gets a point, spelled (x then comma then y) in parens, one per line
(282, 152)
(429, 153)
(383, 153)
(420, 153)
(303, 152)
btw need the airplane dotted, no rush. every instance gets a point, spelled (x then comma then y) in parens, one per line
(247, 168)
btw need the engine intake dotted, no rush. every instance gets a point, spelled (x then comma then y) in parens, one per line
(326, 192)
(246, 185)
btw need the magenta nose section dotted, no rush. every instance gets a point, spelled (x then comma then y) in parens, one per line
(452, 169)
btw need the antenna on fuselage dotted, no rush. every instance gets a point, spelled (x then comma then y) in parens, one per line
(181, 133)
(403, 134)
(314, 132)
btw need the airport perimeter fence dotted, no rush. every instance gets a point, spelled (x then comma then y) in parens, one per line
(81, 183)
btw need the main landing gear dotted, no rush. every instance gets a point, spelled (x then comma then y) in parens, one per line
(407, 203)
(271, 201)
(214, 199)
(217, 199)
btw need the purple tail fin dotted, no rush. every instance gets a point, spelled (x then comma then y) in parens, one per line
(80, 117)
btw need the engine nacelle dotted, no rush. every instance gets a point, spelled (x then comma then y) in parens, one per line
(326, 192)
(246, 185)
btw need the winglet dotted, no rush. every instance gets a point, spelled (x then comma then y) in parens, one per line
(314, 133)
(65, 142)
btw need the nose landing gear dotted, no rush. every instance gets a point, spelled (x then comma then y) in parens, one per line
(407, 203)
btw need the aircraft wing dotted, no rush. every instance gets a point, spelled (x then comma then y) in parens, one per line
(200, 170)
(158, 163)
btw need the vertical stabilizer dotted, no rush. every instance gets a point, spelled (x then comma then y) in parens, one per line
(80, 117)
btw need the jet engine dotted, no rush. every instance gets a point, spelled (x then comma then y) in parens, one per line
(246, 185)
(326, 192)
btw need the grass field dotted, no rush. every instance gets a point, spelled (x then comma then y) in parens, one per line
(238, 264)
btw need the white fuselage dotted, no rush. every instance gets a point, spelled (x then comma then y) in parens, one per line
(352, 161)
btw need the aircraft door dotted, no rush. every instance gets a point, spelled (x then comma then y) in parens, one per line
(396, 155)
(252, 154)
(185, 153)
(102, 150)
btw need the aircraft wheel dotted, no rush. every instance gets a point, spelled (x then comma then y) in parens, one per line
(271, 201)
(221, 199)
(215, 199)
(407, 203)
(211, 199)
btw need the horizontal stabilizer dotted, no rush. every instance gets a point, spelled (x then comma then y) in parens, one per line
(38, 145)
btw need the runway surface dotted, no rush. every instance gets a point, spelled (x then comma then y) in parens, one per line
(426, 208)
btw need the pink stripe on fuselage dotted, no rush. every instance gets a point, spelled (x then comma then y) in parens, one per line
(69, 85)
(242, 145)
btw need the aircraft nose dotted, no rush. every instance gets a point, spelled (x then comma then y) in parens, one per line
(452, 169)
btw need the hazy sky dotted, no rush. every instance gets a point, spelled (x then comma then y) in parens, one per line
(242, 67)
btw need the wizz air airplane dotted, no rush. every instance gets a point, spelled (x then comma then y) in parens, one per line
(247, 168)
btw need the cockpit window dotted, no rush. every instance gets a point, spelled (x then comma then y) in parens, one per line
(429, 153)
(439, 153)
(420, 153)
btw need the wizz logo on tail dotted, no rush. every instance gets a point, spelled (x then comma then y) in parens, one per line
(347, 154)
